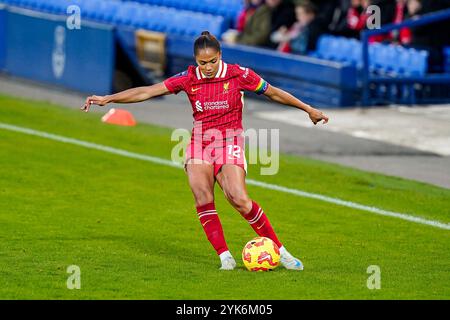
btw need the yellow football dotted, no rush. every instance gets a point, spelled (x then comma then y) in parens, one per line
(261, 254)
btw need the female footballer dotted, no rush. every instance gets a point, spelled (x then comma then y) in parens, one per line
(216, 151)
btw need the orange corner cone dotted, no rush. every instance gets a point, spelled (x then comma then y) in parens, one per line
(119, 117)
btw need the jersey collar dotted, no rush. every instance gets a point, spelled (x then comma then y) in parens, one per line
(221, 73)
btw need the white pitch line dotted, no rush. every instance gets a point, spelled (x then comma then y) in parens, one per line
(350, 204)
(89, 145)
(264, 185)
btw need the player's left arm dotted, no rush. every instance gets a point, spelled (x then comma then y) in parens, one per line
(283, 97)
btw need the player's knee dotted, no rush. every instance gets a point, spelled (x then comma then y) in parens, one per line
(239, 199)
(203, 196)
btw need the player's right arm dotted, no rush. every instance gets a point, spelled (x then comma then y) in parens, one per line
(128, 96)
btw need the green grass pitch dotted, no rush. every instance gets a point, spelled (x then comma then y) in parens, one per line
(131, 226)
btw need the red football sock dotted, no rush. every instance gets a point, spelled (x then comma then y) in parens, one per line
(213, 228)
(260, 223)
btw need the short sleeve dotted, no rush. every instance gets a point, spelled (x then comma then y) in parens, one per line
(251, 81)
(177, 82)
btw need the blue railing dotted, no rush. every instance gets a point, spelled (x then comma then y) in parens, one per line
(366, 34)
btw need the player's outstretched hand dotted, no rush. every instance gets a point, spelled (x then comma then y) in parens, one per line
(98, 100)
(316, 116)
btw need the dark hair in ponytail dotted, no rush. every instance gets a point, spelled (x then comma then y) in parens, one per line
(206, 40)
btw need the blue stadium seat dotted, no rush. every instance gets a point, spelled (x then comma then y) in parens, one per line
(418, 65)
(107, 10)
(201, 24)
(151, 20)
(355, 56)
(377, 54)
(390, 63)
(164, 19)
(394, 63)
(333, 50)
(125, 13)
(38, 5)
(343, 54)
(59, 6)
(177, 23)
(12, 2)
(18, 3)
(152, 2)
(90, 9)
(45, 6)
(216, 25)
(22, 3)
(404, 61)
(142, 13)
(192, 28)
(322, 45)
(197, 6)
(139, 19)
(229, 9)
(211, 6)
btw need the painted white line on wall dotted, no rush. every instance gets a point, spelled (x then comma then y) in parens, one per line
(264, 185)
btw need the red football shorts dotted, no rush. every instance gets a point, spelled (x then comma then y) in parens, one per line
(229, 151)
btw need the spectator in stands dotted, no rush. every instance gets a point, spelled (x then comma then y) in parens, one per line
(282, 16)
(325, 10)
(387, 12)
(350, 17)
(256, 30)
(338, 25)
(357, 16)
(402, 36)
(302, 37)
(432, 37)
(267, 18)
(250, 7)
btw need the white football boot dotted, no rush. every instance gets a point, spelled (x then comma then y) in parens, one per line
(228, 262)
(289, 261)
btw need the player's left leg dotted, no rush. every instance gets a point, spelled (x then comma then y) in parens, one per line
(231, 179)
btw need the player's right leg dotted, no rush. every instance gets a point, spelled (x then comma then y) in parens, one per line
(201, 181)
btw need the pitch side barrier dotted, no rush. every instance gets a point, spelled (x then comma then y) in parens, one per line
(2, 37)
(437, 94)
(41, 47)
(321, 83)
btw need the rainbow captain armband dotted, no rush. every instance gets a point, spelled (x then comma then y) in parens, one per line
(262, 86)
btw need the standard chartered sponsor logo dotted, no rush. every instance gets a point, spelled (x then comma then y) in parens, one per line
(198, 106)
(216, 105)
(211, 105)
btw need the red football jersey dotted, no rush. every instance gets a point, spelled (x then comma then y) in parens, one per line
(217, 103)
